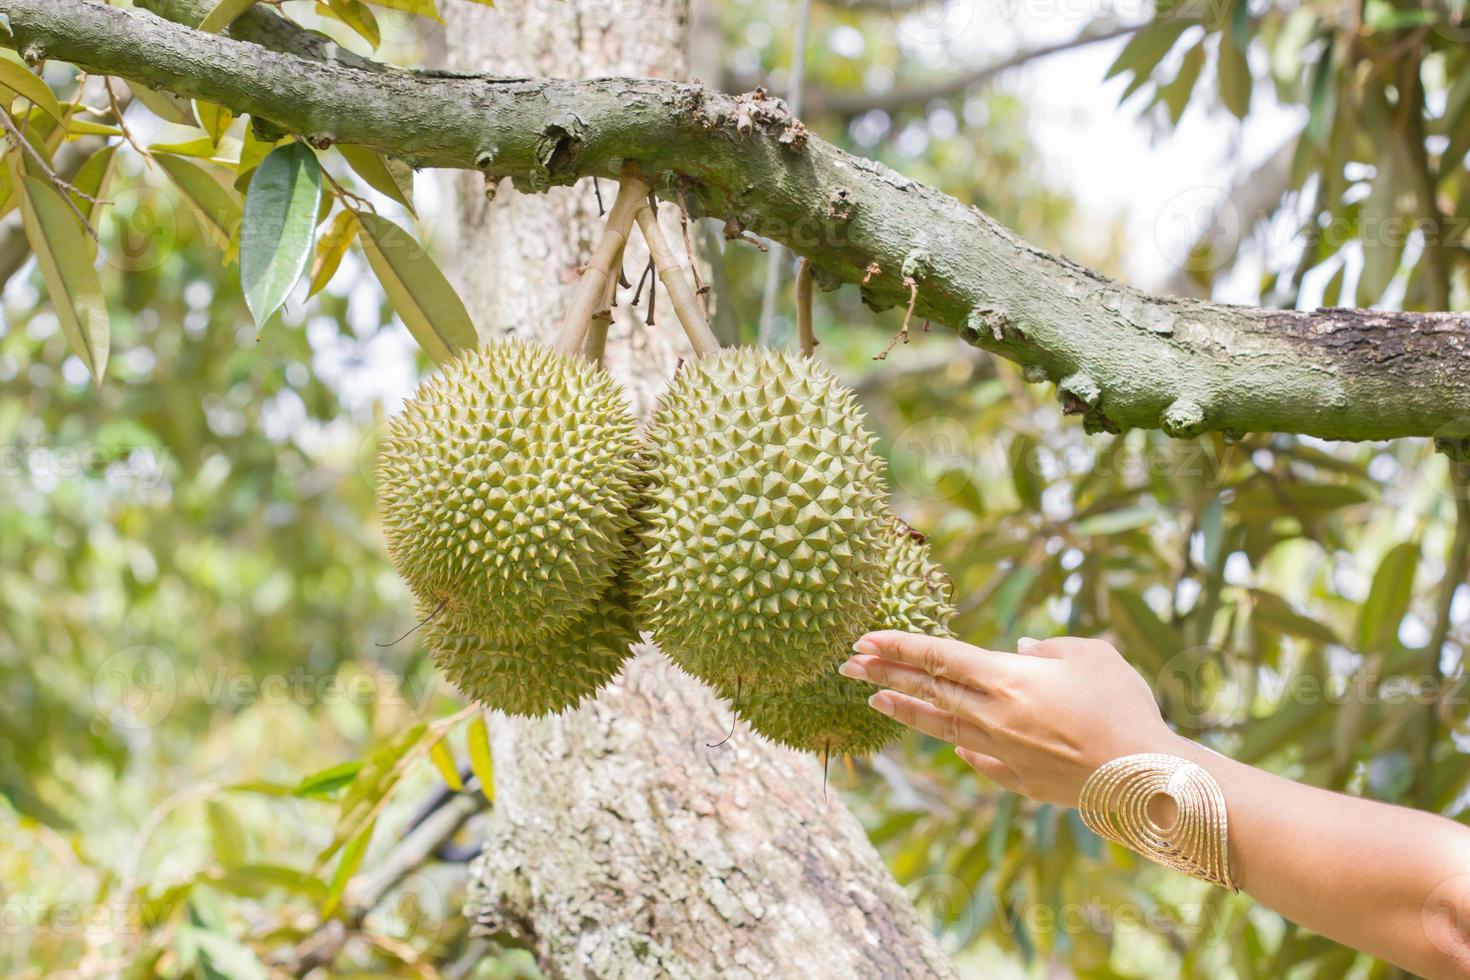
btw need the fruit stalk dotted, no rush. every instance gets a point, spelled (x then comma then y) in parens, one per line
(681, 293)
(592, 287)
(806, 336)
(596, 344)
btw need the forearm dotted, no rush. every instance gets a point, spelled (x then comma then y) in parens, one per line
(1390, 881)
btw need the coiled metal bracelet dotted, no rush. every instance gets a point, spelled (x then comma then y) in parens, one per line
(1115, 801)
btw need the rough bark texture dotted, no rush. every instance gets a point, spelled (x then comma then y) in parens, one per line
(1120, 357)
(620, 845)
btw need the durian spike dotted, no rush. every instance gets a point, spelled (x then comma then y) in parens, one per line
(806, 336)
(681, 293)
(596, 344)
(592, 287)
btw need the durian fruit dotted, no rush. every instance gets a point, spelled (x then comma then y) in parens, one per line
(505, 488)
(540, 676)
(831, 715)
(764, 521)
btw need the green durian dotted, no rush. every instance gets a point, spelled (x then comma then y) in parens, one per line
(764, 522)
(505, 487)
(831, 715)
(541, 676)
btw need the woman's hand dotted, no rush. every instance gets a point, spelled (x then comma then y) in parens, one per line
(1038, 722)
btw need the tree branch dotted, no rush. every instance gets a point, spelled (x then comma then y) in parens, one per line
(1120, 357)
(850, 103)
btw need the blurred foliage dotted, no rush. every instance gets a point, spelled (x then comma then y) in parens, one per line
(207, 748)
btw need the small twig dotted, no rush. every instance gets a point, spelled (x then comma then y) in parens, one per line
(700, 286)
(117, 114)
(597, 190)
(903, 331)
(647, 272)
(62, 187)
(872, 270)
(349, 199)
(806, 337)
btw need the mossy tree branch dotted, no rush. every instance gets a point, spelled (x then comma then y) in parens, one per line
(1120, 357)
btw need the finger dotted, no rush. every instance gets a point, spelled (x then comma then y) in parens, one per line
(1030, 647)
(989, 765)
(926, 718)
(946, 695)
(941, 657)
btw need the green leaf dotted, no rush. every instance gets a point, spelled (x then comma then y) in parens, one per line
(477, 741)
(1388, 598)
(231, 845)
(252, 151)
(422, 297)
(223, 15)
(443, 759)
(1234, 74)
(374, 782)
(63, 251)
(92, 179)
(25, 83)
(215, 205)
(164, 105)
(1267, 499)
(419, 8)
(393, 178)
(1175, 95)
(347, 866)
(1147, 48)
(1116, 521)
(1383, 235)
(330, 248)
(258, 880)
(214, 119)
(222, 954)
(356, 15)
(1147, 639)
(280, 222)
(202, 147)
(1322, 101)
(83, 127)
(1279, 616)
(328, 781)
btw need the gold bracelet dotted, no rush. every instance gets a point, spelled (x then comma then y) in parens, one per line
(1114, 804)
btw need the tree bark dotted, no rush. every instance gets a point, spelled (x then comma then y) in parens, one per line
(1119, 357)
(619, 844)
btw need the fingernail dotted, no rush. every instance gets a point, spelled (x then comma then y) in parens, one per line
(879, 702)
(853, 669)
(866, 646)
(1025, 643)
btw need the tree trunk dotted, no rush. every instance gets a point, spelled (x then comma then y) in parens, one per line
(620, 844)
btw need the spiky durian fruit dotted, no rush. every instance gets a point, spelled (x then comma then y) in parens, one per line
(831, 715)
(540, 676)
(765, 520)
(505, 487)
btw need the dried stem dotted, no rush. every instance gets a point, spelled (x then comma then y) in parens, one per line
(62, 187)
(903, 331)
(681, 294)
(592, 287)
(806, 336)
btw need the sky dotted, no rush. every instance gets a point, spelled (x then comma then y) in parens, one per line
(1109, 157)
